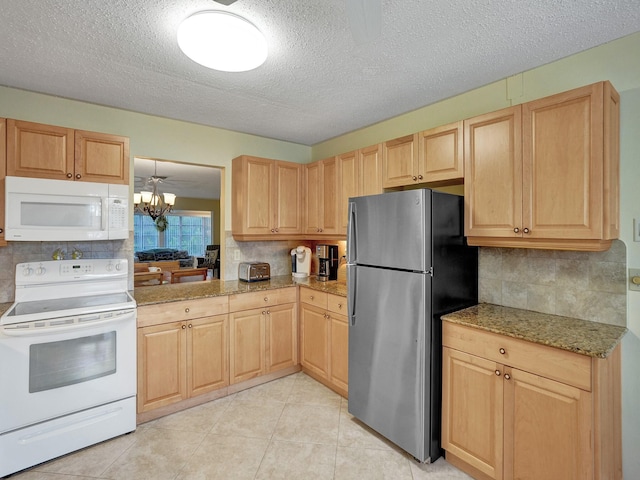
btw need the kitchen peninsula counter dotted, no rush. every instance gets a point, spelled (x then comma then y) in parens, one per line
(580, 336)
(214, 288)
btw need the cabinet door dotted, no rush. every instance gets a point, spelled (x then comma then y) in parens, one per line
(282, 337)
(207, 354)
(563, 158)
(472, 411)
(370, 170)
(287, 203)
(440, 154)
(330, 181)
(400, 161)
(246, 343)
(493, 174)
(3, 169)
(252, 196)
(313, 199)
(349, 174)
(41, 151)
(339, 346)
(547, 429)
(162, 366)
(315, 339)
(100, 157)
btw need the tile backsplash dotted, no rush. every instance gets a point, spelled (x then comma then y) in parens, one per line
(587, 285)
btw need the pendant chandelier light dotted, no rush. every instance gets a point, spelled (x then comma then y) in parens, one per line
(153, 202)
(222, 41)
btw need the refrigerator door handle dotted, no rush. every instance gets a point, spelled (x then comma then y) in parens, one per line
(351, 293)
(351, 234)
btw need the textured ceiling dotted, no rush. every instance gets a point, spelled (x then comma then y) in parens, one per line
(318, 82)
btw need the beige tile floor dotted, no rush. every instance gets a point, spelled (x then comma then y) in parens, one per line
(291, 428)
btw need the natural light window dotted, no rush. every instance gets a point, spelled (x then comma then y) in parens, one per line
(187, 230)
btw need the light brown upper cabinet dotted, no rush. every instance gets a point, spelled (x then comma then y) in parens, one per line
(59, 153)
(3, 169)
(440, 154)
(321, 204)
(267, 200)
(359, 174)
(433, 156)
(545, 174)
(400, 162)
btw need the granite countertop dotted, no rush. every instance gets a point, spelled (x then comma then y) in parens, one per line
(580, 336)
(214, 288)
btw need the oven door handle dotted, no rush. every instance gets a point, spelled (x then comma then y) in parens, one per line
(26, 332)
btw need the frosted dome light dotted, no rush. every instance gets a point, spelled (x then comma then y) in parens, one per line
(222, 41)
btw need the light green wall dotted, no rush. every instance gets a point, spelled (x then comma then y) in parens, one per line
(618, 62)
(149, 136)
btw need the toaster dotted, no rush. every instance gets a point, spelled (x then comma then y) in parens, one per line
(254, 271)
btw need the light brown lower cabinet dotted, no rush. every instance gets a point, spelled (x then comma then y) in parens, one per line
(264, 338)
(324, 338)
(179, 359)
(516, 410)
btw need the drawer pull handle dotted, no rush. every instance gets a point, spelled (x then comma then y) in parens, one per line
(507, 376)
(498, 373)
(186, 310)
(503, 351)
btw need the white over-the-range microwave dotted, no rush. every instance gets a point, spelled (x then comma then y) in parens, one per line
(39, 209)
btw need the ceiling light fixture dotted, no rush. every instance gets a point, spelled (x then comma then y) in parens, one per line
(153, 203)
(222, 41)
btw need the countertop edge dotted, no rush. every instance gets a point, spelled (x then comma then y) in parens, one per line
(584, 337)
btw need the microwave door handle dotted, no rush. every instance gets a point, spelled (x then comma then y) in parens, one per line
(105, 212)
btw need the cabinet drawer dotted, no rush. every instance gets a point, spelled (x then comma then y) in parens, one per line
(313, 297)
(263, 298)
(337, 304)
(556, 364)
(182, 310)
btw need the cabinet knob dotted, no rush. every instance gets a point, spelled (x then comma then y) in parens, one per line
(516, 230)
(498, 373)
(273, 230)
(414, 178)
(340, 306)
(264, 312)
(525, 230)
(277, 230)
(502, 351)
(184, 326)
(268, 312)
(2, 231)
(69, 175)
(186, 310)
(311, 297)
(190, 326)
(420, 177)
(78, 176)
(266, 299)
(507, 376)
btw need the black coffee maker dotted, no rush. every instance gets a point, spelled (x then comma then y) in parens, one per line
(327, 262)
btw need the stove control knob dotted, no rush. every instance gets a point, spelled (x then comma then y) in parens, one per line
(28, 271)
(40, 271)
(109, 267)
(118, 267)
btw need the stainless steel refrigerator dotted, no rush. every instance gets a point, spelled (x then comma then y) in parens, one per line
(407, 264)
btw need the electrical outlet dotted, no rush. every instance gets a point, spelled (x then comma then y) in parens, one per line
(236, 255)
(636, 230)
